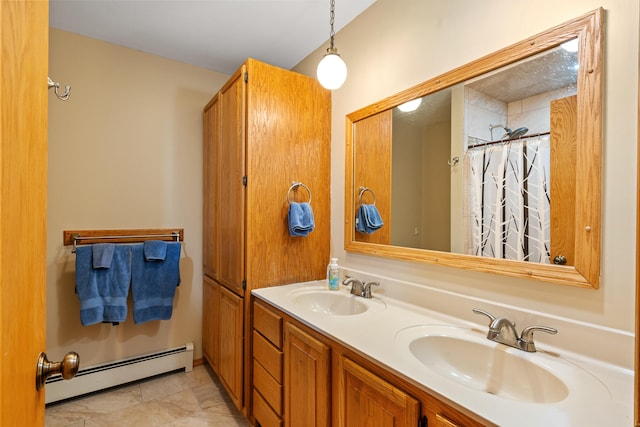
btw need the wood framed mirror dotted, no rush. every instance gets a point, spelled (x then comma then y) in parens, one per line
(375, 165)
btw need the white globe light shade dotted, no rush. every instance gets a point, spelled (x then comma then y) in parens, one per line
(332, 71)
(410, 105)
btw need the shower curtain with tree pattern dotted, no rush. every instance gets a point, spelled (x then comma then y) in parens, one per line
(508, 199)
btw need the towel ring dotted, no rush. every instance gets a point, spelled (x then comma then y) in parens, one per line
(294, 186)
(364, 190)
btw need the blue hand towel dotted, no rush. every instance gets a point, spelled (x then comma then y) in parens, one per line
(153, 283)
(368, 219)
(102, 254)
(372, 217)
(301, 221)
(103, 291)
(155, 250)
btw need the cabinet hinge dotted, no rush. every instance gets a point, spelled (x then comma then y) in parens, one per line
(246, 77)
(244, 284)
(244, 180)
(423, 421)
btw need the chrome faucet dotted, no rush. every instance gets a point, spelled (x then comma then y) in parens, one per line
(366, 290)
(356, 285)
(504, 331)
(358, 288)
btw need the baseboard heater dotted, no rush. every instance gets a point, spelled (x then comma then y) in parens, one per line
(113, 374)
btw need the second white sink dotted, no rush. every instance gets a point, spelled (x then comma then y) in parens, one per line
(466, 357)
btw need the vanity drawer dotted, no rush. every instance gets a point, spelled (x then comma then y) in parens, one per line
(270, 389)
(268, 356)
(268, 323)
(263, 412)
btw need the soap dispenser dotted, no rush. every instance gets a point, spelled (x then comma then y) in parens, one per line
(333, 274)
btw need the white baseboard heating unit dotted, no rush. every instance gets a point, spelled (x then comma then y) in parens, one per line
(112, 374)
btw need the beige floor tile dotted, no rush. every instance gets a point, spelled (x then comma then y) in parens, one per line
(200, 375)
(185, 399)
(210, 419)
(70, 412)
(214, 399)
(162, 386)
(148, 414)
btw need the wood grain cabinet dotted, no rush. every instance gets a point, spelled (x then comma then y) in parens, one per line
(307, 379)
(365, 399)
(222, 336)
(268, 408)
(265, 129)
(325, 383)
(210, 325)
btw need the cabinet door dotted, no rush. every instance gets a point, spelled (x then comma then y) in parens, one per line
(230, 203)
(307, 379)
(288, 139)
(230, 339)
(210, 327)
(210, 140)
(376, 131)
(562, 175)
(365, 399)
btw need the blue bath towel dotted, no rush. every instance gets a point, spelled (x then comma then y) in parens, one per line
(103, 254)
(155, 250)
(300, 219)
(368, 219)
(153, 283)
(103, 291)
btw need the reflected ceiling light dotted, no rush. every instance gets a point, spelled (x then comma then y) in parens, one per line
(332, 71)
(570, 46)
(410, 105)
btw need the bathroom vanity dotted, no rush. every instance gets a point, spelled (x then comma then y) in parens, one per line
(325, 358)
(301, 374)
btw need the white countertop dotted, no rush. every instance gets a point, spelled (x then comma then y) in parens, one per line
(604, 397)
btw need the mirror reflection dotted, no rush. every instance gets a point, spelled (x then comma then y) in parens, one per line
(487, 165)
(500, 205)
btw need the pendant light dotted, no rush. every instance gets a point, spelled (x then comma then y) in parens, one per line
(332, 71)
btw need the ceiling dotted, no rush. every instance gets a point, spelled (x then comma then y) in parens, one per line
(214, 34)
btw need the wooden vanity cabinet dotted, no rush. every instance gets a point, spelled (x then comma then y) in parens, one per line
(265, 129)
(365, 399)
(325, 383)
(307, 379)
(267, 393)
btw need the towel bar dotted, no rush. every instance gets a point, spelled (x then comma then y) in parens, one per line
(78, 237)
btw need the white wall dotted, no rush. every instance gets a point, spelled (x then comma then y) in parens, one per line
(396, 44)
(124, 152)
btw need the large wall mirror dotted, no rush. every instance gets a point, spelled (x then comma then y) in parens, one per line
(494, 166)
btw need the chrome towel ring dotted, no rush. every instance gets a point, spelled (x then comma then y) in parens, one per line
(294, 187)
(364, 190)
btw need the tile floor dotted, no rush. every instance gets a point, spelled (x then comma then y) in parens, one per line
(185, 399)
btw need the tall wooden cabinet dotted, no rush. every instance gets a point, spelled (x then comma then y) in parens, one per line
(264, 130)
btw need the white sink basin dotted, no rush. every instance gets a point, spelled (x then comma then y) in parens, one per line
(340, 303)
(468, 358)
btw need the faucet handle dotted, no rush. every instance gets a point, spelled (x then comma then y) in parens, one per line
(527, 333)
(485, 313)
(526, 337)
(366, 289)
